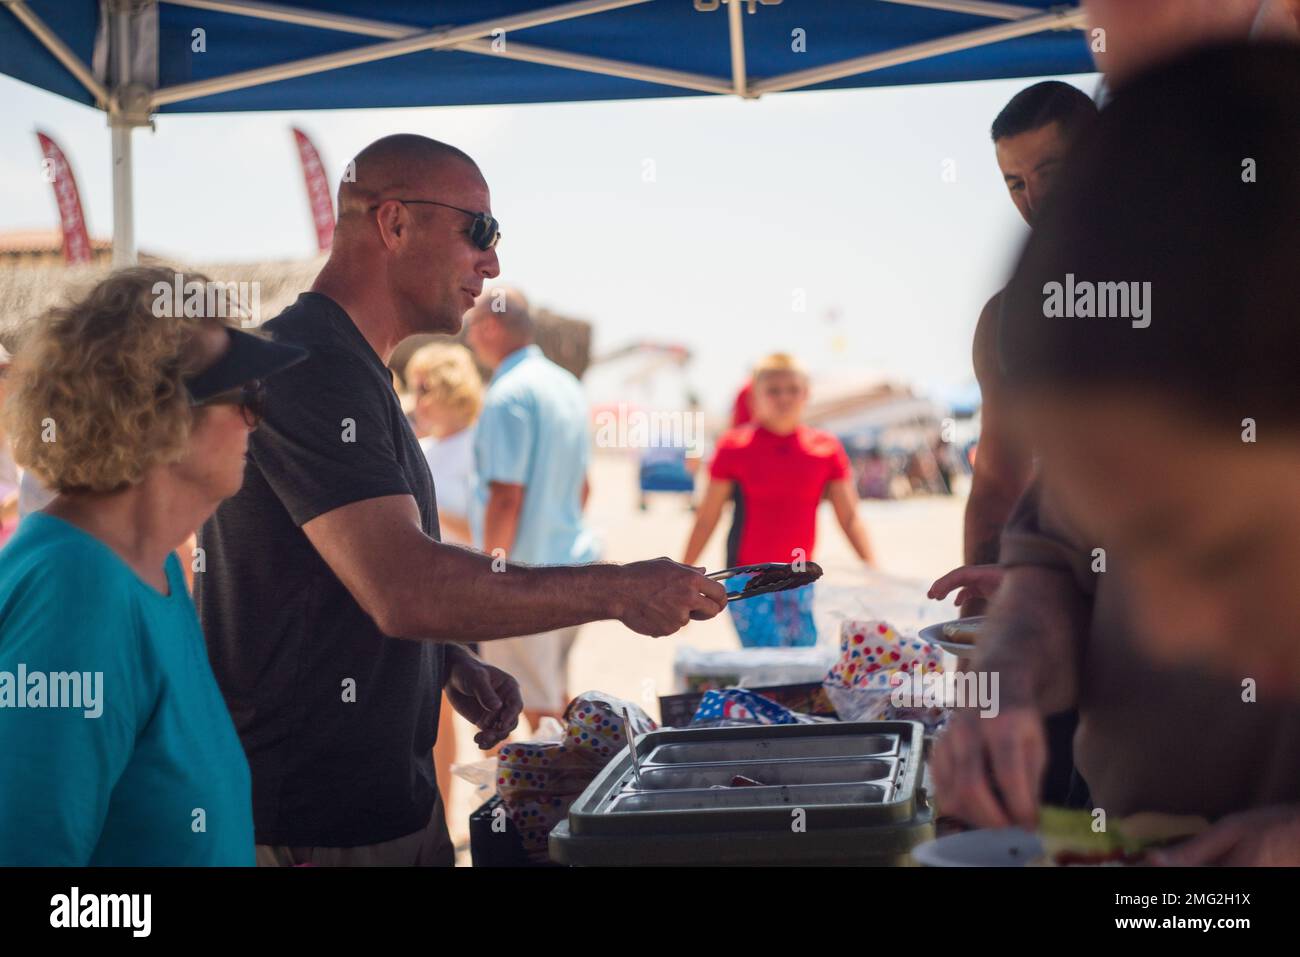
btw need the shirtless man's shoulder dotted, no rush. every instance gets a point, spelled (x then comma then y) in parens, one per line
(984, 352)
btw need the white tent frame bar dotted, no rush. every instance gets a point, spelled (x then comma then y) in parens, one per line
(472, 38)
(510, 50)
(1056, 20)
(50, 40)
(1024, 21)
(421, 40)
(736, 26)
(306, 18)
(545, 56)
(978, 8)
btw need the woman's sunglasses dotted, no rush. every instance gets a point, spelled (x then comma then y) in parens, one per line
(250, 398)
(484, 232)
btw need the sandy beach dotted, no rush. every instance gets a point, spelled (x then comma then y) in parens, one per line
(915, 540)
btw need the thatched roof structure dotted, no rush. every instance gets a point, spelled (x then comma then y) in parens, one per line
(27, 293)
(21, 248)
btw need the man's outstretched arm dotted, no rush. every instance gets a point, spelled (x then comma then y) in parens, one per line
(415, 587)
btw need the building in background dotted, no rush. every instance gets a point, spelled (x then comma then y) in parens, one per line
(21, 248)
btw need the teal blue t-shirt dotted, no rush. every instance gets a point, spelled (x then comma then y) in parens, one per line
(115, 744)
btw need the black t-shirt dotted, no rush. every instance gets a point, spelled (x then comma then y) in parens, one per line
(336, 718)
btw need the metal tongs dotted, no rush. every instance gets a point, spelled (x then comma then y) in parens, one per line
(631, 747)
(769, 577)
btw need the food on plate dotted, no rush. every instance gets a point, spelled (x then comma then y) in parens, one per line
(964, 631)
(1069, 839)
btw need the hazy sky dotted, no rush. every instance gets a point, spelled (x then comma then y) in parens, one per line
(700, 220)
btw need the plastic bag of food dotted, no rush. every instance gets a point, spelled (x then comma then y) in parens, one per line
(526, 769)
(484, 774)
(539, 780)
(861, 684)
(594, 726)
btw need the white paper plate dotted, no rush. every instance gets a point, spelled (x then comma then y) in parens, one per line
(934, 634)
(1003, 847)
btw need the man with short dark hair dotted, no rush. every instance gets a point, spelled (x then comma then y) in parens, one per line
(1157, 543)
(1031, 137)
(330, 550)
(1128, 37)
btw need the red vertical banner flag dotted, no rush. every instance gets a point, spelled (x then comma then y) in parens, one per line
(318, 190)
(57, 172)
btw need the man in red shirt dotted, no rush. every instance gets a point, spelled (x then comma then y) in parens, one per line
(781, 469)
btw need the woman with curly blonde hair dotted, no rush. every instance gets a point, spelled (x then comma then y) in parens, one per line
(448, 397)
(115, 745)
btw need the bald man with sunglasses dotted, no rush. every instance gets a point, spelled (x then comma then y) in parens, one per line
(334, 615)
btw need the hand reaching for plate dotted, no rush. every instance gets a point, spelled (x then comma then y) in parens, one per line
(975, 583)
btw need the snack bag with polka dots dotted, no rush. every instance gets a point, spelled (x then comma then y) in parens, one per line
(528, 769)
(533, 819)
(871, 653)
(538, 780)
(594, 727)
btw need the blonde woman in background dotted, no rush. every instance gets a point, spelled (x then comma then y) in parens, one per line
(448, 394)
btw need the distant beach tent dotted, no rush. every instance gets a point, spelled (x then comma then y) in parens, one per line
(147, 57)
(870, 406)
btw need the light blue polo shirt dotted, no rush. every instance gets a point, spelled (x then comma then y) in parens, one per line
(533, 432)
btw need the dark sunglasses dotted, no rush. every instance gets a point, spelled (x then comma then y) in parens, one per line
(484, 232)
(250, 398)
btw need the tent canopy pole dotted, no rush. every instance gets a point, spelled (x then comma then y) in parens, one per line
(124, 251)
(131, 68)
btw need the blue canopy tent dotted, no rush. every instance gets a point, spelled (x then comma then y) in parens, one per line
(136, 58)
